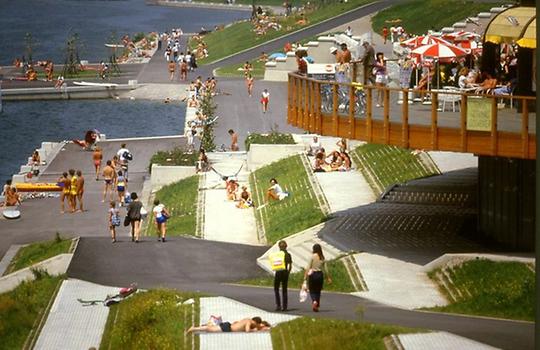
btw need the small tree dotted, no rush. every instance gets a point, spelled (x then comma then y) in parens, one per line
(208, 108)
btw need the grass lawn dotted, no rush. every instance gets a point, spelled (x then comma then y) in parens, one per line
(488, 288)
(21, 308)
(176, 156)
(236, 70)
(295, 213)
(419, 16)
(156, 319)
(36, 252)
(319, 333)
(341, 281)
(384, 165)
(180, 199)
(240, 36)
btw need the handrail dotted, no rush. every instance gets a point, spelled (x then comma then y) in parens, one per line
(345, 110)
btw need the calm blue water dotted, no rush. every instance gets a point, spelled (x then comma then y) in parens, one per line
(52, 21)
(24, 125)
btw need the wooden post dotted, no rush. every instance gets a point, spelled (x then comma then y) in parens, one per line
(295, 101)
(386, 115)
(405, 119)
(307, 98)
(369, 108)
(312, 106)
(525, 128)
(351, 112)
(463, 123)
(335, 106)
(494, 126)
(289, 98)
(434, 135)
(354, 71)
(318, 109)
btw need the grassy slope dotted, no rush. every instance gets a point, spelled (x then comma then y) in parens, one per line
(310, 333)
(180, 199)
(293, 214)
(36, 252)
(498, 289)
(418, 16)
(240, 36)
(341, 281)
(20, 309)
(384, 165)
(151, 320)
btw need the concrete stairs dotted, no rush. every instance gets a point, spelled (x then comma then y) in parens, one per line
(300, 247)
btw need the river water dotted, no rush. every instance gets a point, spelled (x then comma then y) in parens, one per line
(24, 125)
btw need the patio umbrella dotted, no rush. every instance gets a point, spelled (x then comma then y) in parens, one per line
(461, 36)
(438, 51)
(423, 40)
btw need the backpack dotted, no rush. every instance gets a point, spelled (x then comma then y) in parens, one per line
(277, 261)
(127, 155)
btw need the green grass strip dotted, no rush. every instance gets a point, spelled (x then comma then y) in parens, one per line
(21, 308)
(273, 138)
(496, 289)
(180, 199)
(295, 213)
(156, 319)
(240, 36)
(319, 333)
(37, 252)
(341, 281)
(384, 165)
(419, 16)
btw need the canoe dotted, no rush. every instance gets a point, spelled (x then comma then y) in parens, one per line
(38, 187)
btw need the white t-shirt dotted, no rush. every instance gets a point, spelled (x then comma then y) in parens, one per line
(120, 154)
(158, 210)
(265, 94)
(279, 191)
(462, 81)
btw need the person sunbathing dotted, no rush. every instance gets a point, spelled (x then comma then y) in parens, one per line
(275, 191)
(247, 325)
(245, 199)
(231, 187)
(487, 85)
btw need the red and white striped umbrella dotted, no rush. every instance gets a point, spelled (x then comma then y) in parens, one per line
(423, 40)
(461, 36)
(469, 46)
(439, 50)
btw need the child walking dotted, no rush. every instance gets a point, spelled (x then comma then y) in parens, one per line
(114, 220)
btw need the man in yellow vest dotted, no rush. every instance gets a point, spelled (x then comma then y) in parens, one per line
(281, 263)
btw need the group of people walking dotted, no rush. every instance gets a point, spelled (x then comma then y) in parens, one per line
(72, 184)
(314, 273)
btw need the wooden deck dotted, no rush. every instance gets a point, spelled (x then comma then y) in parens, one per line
(490, 129)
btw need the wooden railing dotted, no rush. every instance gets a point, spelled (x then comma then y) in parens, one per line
(505, 127)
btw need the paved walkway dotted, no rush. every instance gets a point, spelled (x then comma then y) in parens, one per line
(439, 341)
(397, 283)
(223, 221)
(71, 325)
(230, 311)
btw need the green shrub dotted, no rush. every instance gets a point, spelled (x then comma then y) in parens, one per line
(274, 138)
(138, 37)
(37, 252)
(177, 156)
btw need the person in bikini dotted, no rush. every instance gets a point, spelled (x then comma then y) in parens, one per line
(249, 84)
(121, 186)
(247, 325)
(80, 189)
(97, 157)
(108, 177)
(73, 190)
(64, 182)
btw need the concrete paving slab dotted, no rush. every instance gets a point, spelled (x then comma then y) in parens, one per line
(71, 325)
(223, 220)
(345, 190)
(439, 341)
(230, 311)
(397, 283)
(6, 259)
(449, 161)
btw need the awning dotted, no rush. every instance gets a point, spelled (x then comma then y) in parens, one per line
(528, 39)
(509, 25)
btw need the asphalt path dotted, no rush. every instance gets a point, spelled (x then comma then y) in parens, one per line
(210, 267)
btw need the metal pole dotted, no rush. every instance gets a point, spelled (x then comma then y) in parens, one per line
(0, 94)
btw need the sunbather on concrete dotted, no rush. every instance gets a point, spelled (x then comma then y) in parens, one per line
(247, 325)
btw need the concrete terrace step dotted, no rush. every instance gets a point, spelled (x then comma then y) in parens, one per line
(299, 246)
(230, 311)
(437, 340)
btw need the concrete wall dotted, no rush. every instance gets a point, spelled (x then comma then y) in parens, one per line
(163, 175)
(71, 92)
(261, 155)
